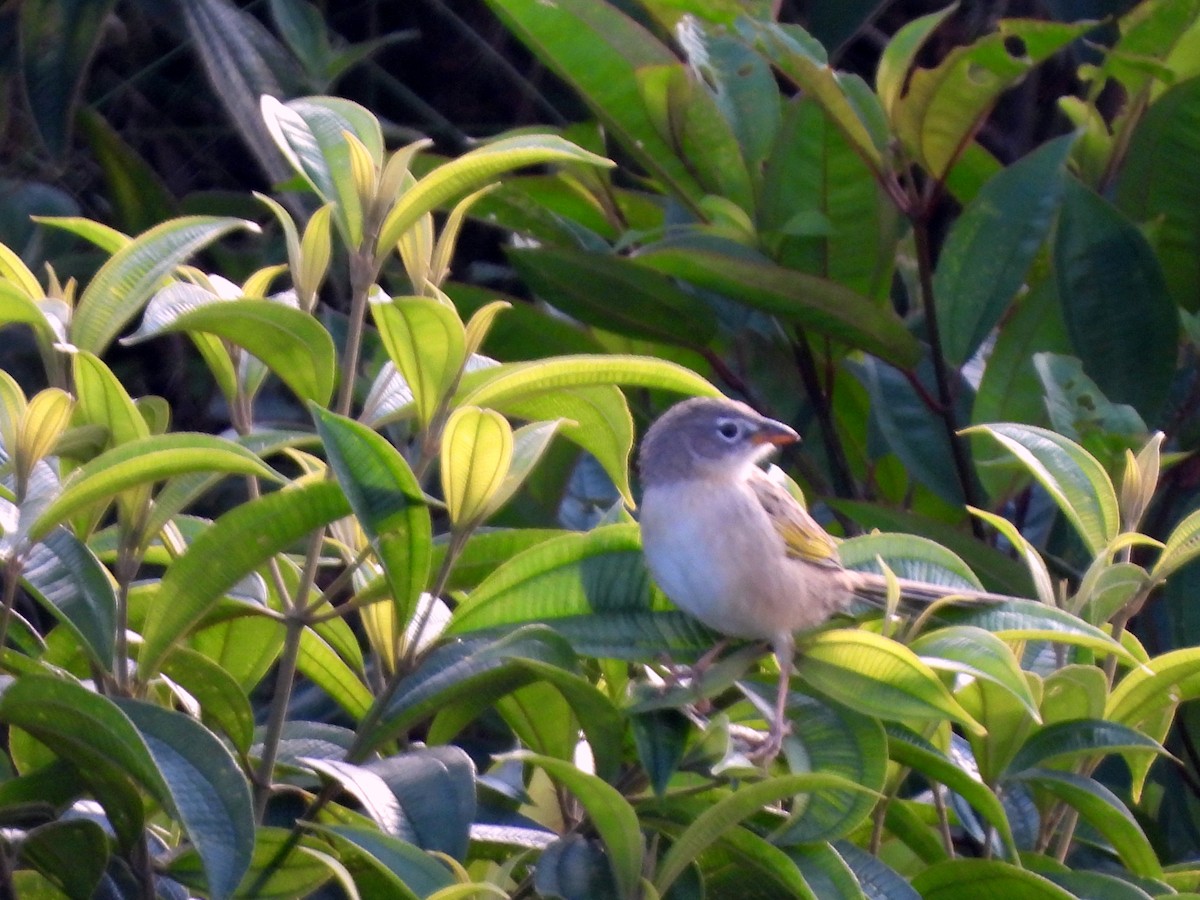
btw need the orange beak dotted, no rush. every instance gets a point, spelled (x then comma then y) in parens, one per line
(771, 432)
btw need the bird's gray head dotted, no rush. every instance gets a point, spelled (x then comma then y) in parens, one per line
(707, 437)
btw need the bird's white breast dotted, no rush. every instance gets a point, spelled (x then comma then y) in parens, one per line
(713, 551)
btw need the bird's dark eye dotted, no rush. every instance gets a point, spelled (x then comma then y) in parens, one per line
(728, 430)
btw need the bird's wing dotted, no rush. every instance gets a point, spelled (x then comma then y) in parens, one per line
(803, 538)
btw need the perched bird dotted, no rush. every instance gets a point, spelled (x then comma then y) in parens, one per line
(731, 546)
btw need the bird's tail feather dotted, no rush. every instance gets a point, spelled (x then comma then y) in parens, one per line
(872, 588)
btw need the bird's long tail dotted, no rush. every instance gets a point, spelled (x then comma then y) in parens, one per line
(872, 588)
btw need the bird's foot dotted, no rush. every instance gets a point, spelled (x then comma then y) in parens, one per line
(762, 748)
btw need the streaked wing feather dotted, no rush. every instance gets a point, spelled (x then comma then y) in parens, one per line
(803, 538)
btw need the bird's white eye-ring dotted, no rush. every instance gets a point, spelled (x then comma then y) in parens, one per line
(728, 429)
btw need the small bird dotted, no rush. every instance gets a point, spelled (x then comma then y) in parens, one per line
(731, 546)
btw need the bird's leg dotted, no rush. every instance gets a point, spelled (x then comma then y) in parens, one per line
(700, 666)
(785, 649)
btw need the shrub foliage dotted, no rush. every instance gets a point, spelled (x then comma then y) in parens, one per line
(390, 633)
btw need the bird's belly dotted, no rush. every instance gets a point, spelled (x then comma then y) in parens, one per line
(731, 575)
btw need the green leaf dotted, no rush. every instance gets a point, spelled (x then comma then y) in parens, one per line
(472, 171)
(435, 787)
(375, 799)
(103, 236)
(233, 547)
(909, 556)
(386, 499)
(1007, 720)
(909, 749)
(1101, 260)
(996, 571)
(1105, 887)
(826, 874)
(574, 866)
(72, 854)
(477, 447)
(399, 869)
(322, 665)
(1103, 810)
(1146, 691)
(1153, 187)
(716, 821)
(167, 305)
(1080, 738)
(223, 703)
(1071, 476)
(309, 132)
(1078, 408)
(139, 196)
(1011, 390)
(688, 116)
(636, 635)
(610, 814)
(962, 879)
(245, 647)
(183, 490)
(602, 723)
(91, 732)
(822, 211)
(595, 418)
(486, 550)
(991, 246)
(208, 792)
(804, 64)
(971, 651)
(23, 283)
(878, 677)
(58, 39)
(1032, 621)
(142, 462)
(616, 294)
(834, 741)
(18, 308)
(744, 89)
(65, 577)
(104, 401)
(426, 341)
(123, 285)
(1182, 546)
(291, 343)
(1074, 691)
(910, 428)
(573, 574)
(796, 297)
(896, 61)
(942, 107)
(281, 868)
(598, 50)
(516, 382)
(474, 668)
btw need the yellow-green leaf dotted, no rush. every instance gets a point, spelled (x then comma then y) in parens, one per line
(425, 339)
(477, 449)
(879, 677)
(46, 418)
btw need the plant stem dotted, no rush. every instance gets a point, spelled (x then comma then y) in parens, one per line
(375, 713)
(285, 676)
(843, 480)
(334, 586)
(362, 276)
(945, 393)
(939, 803)
(125, 569)
(12, 576)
